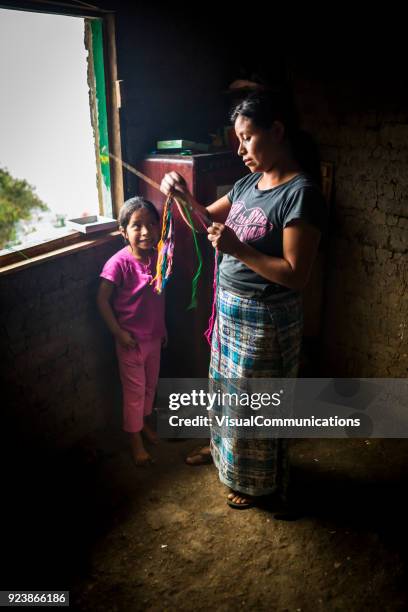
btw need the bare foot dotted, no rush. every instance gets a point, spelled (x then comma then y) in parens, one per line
(199, 456)
(150, 434)
(142, 458)
(140, 455)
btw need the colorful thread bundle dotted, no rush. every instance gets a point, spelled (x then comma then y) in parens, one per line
(165, 248)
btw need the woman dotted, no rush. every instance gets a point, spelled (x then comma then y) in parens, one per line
(268, 229)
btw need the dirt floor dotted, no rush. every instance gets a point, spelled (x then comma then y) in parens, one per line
(163, 538)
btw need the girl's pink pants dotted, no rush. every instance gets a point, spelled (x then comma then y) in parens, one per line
(139, 372)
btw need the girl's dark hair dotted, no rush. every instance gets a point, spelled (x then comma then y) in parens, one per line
(133, 204)
(265, 107)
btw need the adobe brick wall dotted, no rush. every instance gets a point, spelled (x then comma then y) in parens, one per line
(366, 302)
(59, 369)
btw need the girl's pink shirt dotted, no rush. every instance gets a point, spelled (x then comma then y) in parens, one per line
(137, 307)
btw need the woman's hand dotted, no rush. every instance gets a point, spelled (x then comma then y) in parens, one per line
(224, 239)
(174, 184)
(125, 339)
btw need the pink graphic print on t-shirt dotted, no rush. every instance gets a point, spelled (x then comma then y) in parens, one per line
(248, 224)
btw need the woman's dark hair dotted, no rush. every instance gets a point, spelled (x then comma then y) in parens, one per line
(133, 204)
(265, 107)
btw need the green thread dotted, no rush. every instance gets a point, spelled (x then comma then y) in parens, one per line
(194, 282)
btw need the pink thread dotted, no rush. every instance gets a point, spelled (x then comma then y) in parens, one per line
(208, 333)
(200, 217)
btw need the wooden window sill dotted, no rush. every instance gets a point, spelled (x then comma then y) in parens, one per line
(61, 247)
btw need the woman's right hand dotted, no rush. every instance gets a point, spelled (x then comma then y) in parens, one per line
(125, 339)
(174, 184)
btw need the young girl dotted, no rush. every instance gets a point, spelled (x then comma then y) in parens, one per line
(134, 314)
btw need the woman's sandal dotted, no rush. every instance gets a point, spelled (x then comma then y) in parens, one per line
(203, 458)
(250, 503)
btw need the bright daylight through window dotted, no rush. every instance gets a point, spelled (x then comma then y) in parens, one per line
(51, 137)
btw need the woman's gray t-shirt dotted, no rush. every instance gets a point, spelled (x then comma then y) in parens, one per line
(258, 218)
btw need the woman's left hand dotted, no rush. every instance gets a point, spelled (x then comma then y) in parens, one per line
(224, 239)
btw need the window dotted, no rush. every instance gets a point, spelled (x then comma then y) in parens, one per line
(53, 126)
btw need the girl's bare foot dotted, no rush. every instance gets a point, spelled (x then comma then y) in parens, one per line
(142, 458)
(140, 455)
(150, 434)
